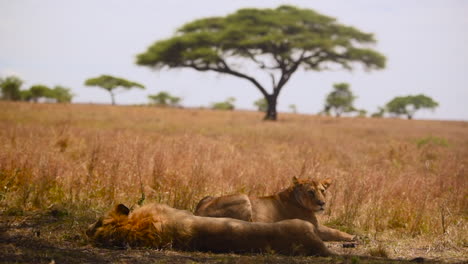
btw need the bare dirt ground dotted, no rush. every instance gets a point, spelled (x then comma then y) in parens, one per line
(55, 237)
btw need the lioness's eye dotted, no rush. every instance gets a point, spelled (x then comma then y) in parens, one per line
(312, 193)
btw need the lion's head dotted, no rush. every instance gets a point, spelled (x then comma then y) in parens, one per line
(154, 225)
(107, 230)
(310, 194)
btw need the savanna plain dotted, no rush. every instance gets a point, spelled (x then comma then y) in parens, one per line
(400, 185)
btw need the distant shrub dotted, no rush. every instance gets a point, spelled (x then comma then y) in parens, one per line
(362, 113)
(164, 99)
(293, 108)
(261, 104)
(10, 88)
(226, 105)
(58, 94)
(380, 113)
(432, 140)
(340, 100)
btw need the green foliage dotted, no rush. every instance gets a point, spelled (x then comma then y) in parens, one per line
(10, 88)
(261, 104)
(26, 95)
(355, 260)
(110, 83)
(62, 94)
(226, 105)
(164, 99)
(278, 41)
(40, 91)
(293, 108)
(340, 100)
(380, 113)
(59, 93)
(408, 105)
(362, 112)
(431, 140)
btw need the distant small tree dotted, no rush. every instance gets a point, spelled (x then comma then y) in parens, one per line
(62, 94)
(10, 88)
(340, 100)
(226, 105)
(40, 91)
(362, 112)
(111, 84)
(26, 95)
(261, 104)
(379, 113)
(408, 105)
(164, 99)
(293, 108)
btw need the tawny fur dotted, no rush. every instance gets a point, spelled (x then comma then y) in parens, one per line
(301, 200)
(160, 226)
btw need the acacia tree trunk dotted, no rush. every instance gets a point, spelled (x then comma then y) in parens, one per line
(271, 113)
(112, 97)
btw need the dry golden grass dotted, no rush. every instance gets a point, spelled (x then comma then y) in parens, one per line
(395, 180)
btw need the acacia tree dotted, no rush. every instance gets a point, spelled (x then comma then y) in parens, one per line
(380, 112)
(111, 84)
(340, 100)
(164, 99)
(277, 42)
(293, 108)
(261, 105)
(40, 91)
(10, 88)
(62, 94)
(226, 105)
(408, 105)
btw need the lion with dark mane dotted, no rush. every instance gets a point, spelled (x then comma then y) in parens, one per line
(300, 201)
(160, 226)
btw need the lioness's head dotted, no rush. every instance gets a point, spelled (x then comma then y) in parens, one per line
(310, 194)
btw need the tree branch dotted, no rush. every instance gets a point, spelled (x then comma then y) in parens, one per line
(273, 81)
(224, 68)
(286, 73)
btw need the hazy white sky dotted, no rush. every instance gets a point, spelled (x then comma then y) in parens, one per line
(64, 42)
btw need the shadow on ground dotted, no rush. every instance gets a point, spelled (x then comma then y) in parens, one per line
(59, 238)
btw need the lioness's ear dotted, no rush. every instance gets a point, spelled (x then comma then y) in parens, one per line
(327, 182)
(295, 180)
(121, 209)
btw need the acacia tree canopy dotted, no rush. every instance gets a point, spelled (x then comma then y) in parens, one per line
(408, 105)
(10, 88)
(277, 41)
(40, 91)
(62, 94)
(164, 99)
(110, 83)
(340, 100)
(261, 104)
(226, 105)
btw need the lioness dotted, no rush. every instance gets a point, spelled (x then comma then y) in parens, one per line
(299, 201)
(160, 226)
